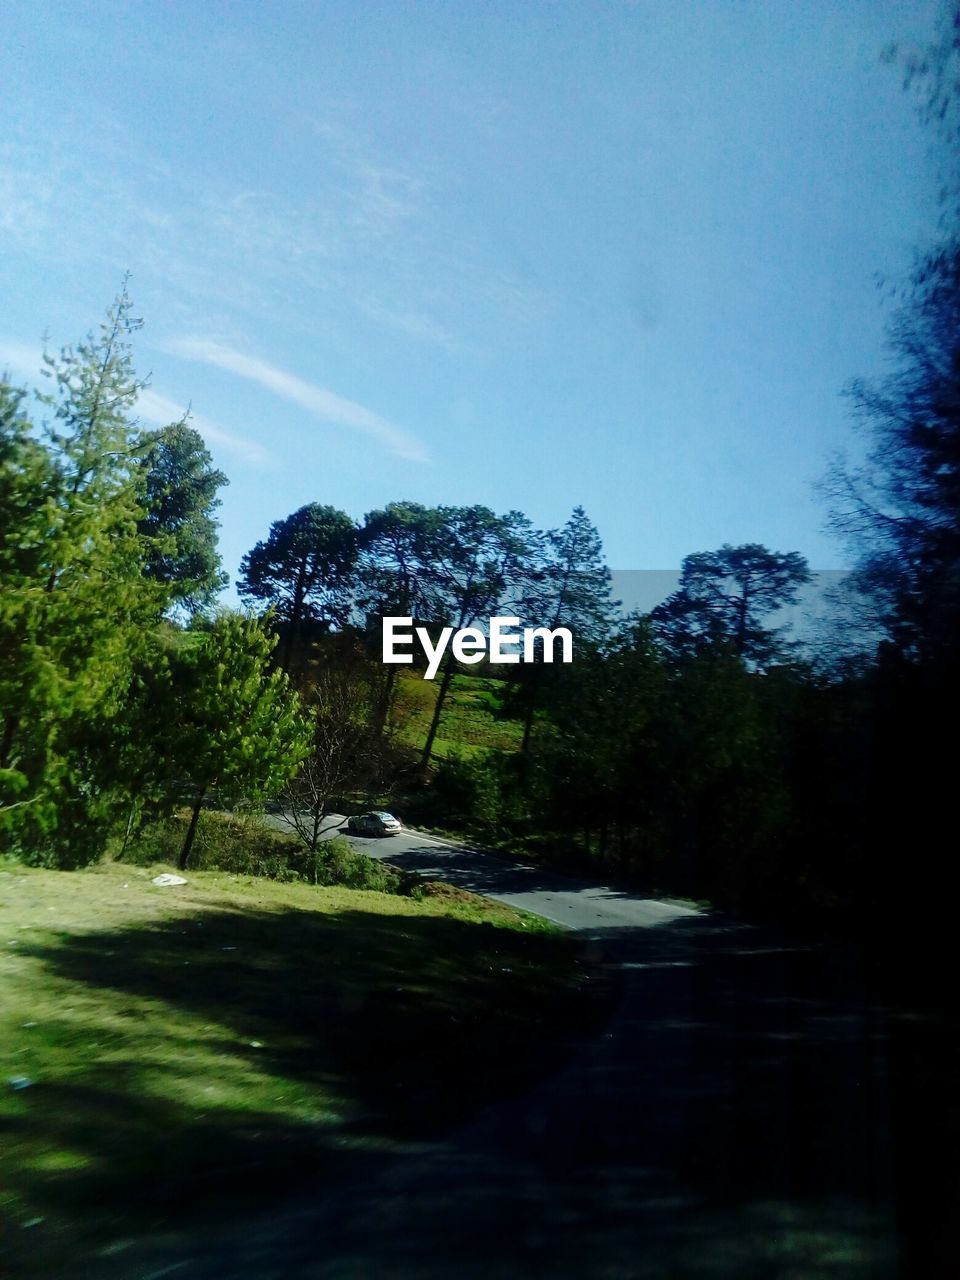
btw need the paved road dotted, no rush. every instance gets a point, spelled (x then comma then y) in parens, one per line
(732, 1122)
(573, 903)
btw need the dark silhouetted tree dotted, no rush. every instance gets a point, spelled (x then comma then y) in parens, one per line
(568, 586)
(724, 600)
(303, 572)
(394, 572)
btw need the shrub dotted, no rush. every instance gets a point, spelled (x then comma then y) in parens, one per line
(337, 862)
(246, 846)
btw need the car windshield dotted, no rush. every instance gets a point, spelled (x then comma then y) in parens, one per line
(385, 817)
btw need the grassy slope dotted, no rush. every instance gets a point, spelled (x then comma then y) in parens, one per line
(469, 724)
(206, 1047)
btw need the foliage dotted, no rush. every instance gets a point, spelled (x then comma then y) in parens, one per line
(723, 600)
(346, 749)
(569, 587)
(477, 564)
(303, 571)
(239, 731)
(394, 558)
(464, 793)
(901, 509)
(179, 524)
(245, 845)
(76, 608)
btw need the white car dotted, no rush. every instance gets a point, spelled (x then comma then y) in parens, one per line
(376, 823)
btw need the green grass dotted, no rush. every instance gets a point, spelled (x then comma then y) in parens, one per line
(471, 722)
(199, 1050)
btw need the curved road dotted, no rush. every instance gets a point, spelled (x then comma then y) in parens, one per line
(572, 903)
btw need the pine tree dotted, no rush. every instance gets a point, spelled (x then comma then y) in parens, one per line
(76, 605)
(179, 523)
(570, 588)
(236, 727)
(303, 572)
(725, 599)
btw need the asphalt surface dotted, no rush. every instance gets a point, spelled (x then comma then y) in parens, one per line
(731, 1122)
(573, 903)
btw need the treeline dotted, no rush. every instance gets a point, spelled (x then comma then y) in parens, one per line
(126, 695)
(319, 572)
(679, 746)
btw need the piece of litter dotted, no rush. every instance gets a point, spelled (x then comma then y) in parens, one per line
(29, 1024)
(228, 948)
(167, 879)
(32, 1222)
(255, 1044)
(19, 1082)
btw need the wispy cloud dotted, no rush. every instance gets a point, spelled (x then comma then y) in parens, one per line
(161, 411)
(25, 361)
(320, 401)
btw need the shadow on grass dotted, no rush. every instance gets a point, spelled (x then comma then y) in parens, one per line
(731, 1122)
(343, 1037)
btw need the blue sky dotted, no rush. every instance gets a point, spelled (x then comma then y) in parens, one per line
(531, 255)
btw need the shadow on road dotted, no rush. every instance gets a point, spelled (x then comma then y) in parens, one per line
(481, 872)
(731, 1121)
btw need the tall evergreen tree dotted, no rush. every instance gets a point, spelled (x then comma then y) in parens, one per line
(569, 588)
(394, 572)
(475, 567)
(179, 523)
(77, 607)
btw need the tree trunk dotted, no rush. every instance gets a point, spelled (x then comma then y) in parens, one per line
(530, 698)
(437, 712)
(385, 700)
(11, 724)
(191, 830)
(287, 659)
(129, 828)
(742, 623)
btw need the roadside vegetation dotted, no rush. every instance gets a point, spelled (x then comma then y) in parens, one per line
(244, 845)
